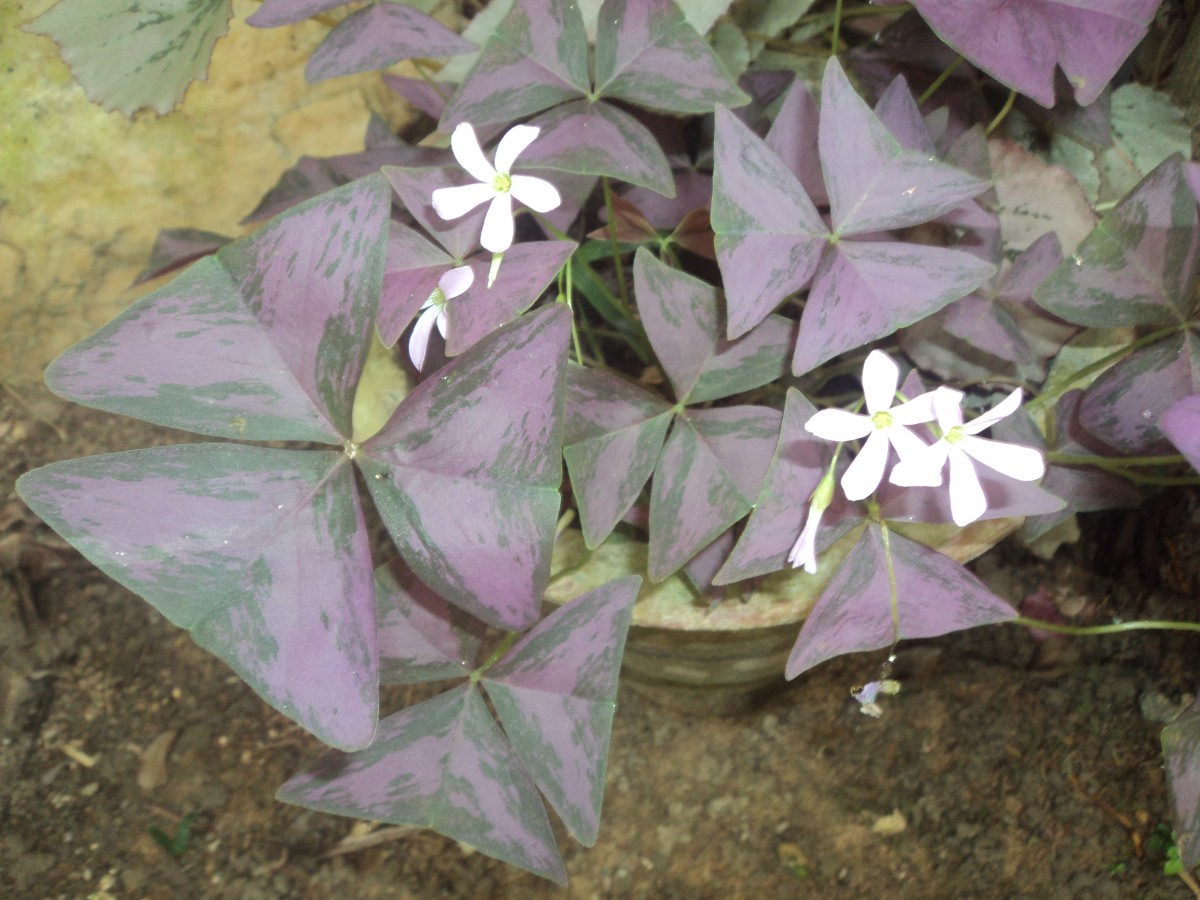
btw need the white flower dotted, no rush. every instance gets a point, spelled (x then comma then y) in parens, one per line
(804, 551)
(882, 426)
(960, 446)
(496, 183)
(453, 283)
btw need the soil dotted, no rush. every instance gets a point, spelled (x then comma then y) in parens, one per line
(1006, 767)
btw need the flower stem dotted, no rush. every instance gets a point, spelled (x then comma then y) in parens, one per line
(1114, 628)
(1000, 116)
(569, 299)
(837, 28)
(507, 641)
(893, 599)
(622, 291)
(940, 80)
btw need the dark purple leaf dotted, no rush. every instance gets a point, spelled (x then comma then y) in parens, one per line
(782, 506)
(1181, 753)
(421, 636)
(1123, 406)
(273, 13)
(262, 554)
(482, 435)
(263, 341)
(597, 138)
(442, 764)
(874, 184)
(1082, 490)
(613, 436)
(702, 568)
(682, 319)
(527, 271)
(1019, 42)
(458, 237)
(864, 291)
(379, 35)
(130, 55)
(536, 59)
(898, 112)
(693, 191)
(414, 267)
(709, 475)
(429, 97)
(769, 235)
(935, 596)
(1181, 424)
(647, 53)
(174, 248)
(1139, 265)
(793, 138)
(555, 693)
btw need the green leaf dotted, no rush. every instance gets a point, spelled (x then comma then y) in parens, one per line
(140, 53)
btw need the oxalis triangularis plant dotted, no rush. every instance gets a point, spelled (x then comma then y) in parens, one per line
(761, 297)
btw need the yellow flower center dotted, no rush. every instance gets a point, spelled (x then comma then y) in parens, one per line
(502, 183)
(882, 419)
(954, 435)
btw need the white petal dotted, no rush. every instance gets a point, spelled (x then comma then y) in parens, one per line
(442, 322)
(498, 225)
(535, 193)
(906, 443)
(838, 425)
(456, 281)
(1014, 460)
(418, 341)
(967, 502)
(921, 470)
(804, 551)
(879, 380)
(515, 140)
(865, 473)
(470, 155)
(947, 404)
(1001, 410)
(916, 411)
(453, 202)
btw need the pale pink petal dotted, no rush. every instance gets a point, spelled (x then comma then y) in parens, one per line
(498, 225)
(418, 341)
(864, 474)
(456, 282)
(947, 404)
(535, 193)
(906, 443)
(453, 202)
(470, 155)
(921, 469)
(804, 551)
(442, 322)
(916, 411)
(1014, 460)
(879, 380)
(1001, 410)
(515, 140)
(838, 425)
(967, 502)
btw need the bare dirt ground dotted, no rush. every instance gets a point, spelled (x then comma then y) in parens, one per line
(1004, 768)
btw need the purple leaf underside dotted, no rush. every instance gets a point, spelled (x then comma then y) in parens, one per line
(458, 237)
(262, 554)
(935, 596)
(1181, 424)
(273, 13)
(379, 35)
(263, 341)
(174, 248)
(793, 138)
(443, 764)
(414, 267)
(466, 472)
(555, 694)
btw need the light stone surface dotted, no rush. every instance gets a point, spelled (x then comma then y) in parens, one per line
(83, 192)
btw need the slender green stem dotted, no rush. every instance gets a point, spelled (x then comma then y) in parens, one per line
(507, 641)
(893, 599)
(428, 79)
(940, 80)
(1000, 116)
(568, 297)
(622, 291)
(1043, 399)
(849, 12)
(1086, 459)
(837, 28)
(1114, 628)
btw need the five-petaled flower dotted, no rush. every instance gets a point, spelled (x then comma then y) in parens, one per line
(884, 425)
(496, 183)
(452, 284)
(960, 446)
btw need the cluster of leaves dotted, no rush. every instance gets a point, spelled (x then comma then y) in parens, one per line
(835, 229)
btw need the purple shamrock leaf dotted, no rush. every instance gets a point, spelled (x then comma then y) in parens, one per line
(612, 439)
(1019, 42)
(793, 138)
(1139, 264)
(262, 554)
(174, 248)
(482, 436)
(379, 35)
(536, 58)
(414, 267)
(709, 475)
(273, 13)
(264, 341)
(1181, 424)
(458, 237)
(1181, 753)
(421, 636)
(555, 693)
(647, 53)
(442, 764)
(935, 596)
